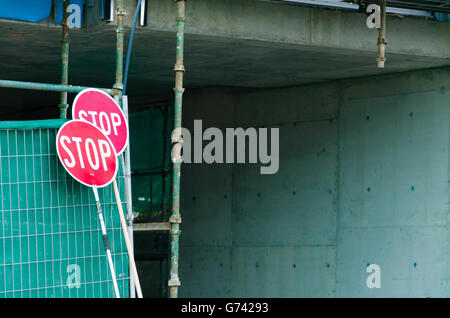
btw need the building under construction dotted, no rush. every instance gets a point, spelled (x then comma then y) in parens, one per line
(358, 205)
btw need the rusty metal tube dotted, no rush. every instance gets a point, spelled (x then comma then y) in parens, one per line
(118, 85)
(64, 61)
(175, 218)
(48, 87)
(382, 35)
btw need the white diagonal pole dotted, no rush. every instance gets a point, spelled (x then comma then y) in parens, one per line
(134, 273)
(106, 242)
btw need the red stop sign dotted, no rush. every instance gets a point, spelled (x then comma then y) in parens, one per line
(101, 110)
(87, 153)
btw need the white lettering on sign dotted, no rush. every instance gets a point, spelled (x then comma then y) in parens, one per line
(107, 124)
(72, 162)
(105, 152)
(82, 115)
(80, 157)
(95, 165)
(103, 119)
(116, 122)
(95, 153)
(93, 115)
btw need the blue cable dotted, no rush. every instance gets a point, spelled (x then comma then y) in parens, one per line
(130, 46)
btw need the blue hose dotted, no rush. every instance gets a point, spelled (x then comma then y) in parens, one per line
(130, 46)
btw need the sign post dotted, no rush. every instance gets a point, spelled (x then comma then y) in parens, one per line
(90, 158)
(101, 110)
(106, 242)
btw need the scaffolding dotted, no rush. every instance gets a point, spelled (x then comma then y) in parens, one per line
(173, 223)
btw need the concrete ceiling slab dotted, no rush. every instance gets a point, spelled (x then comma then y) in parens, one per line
(32, 53)
(237, 43)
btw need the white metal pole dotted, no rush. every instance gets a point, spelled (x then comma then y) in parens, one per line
(106, 242)
(126, 166)
(142, 18)
(133, 271)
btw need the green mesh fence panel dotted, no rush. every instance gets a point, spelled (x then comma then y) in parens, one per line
(50, 237)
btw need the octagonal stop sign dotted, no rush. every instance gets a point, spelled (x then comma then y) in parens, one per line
(86, 153)
(101, 110)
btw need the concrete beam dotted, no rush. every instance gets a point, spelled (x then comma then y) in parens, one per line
(305, 26)
(236, 43)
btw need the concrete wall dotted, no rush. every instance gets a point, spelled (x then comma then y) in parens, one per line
(363, 179)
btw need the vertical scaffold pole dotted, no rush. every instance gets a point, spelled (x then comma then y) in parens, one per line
(382, 36)
(64, 60)
(175, 218)
(118, 85)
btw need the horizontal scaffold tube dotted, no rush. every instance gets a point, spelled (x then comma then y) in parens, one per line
(48, 87)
